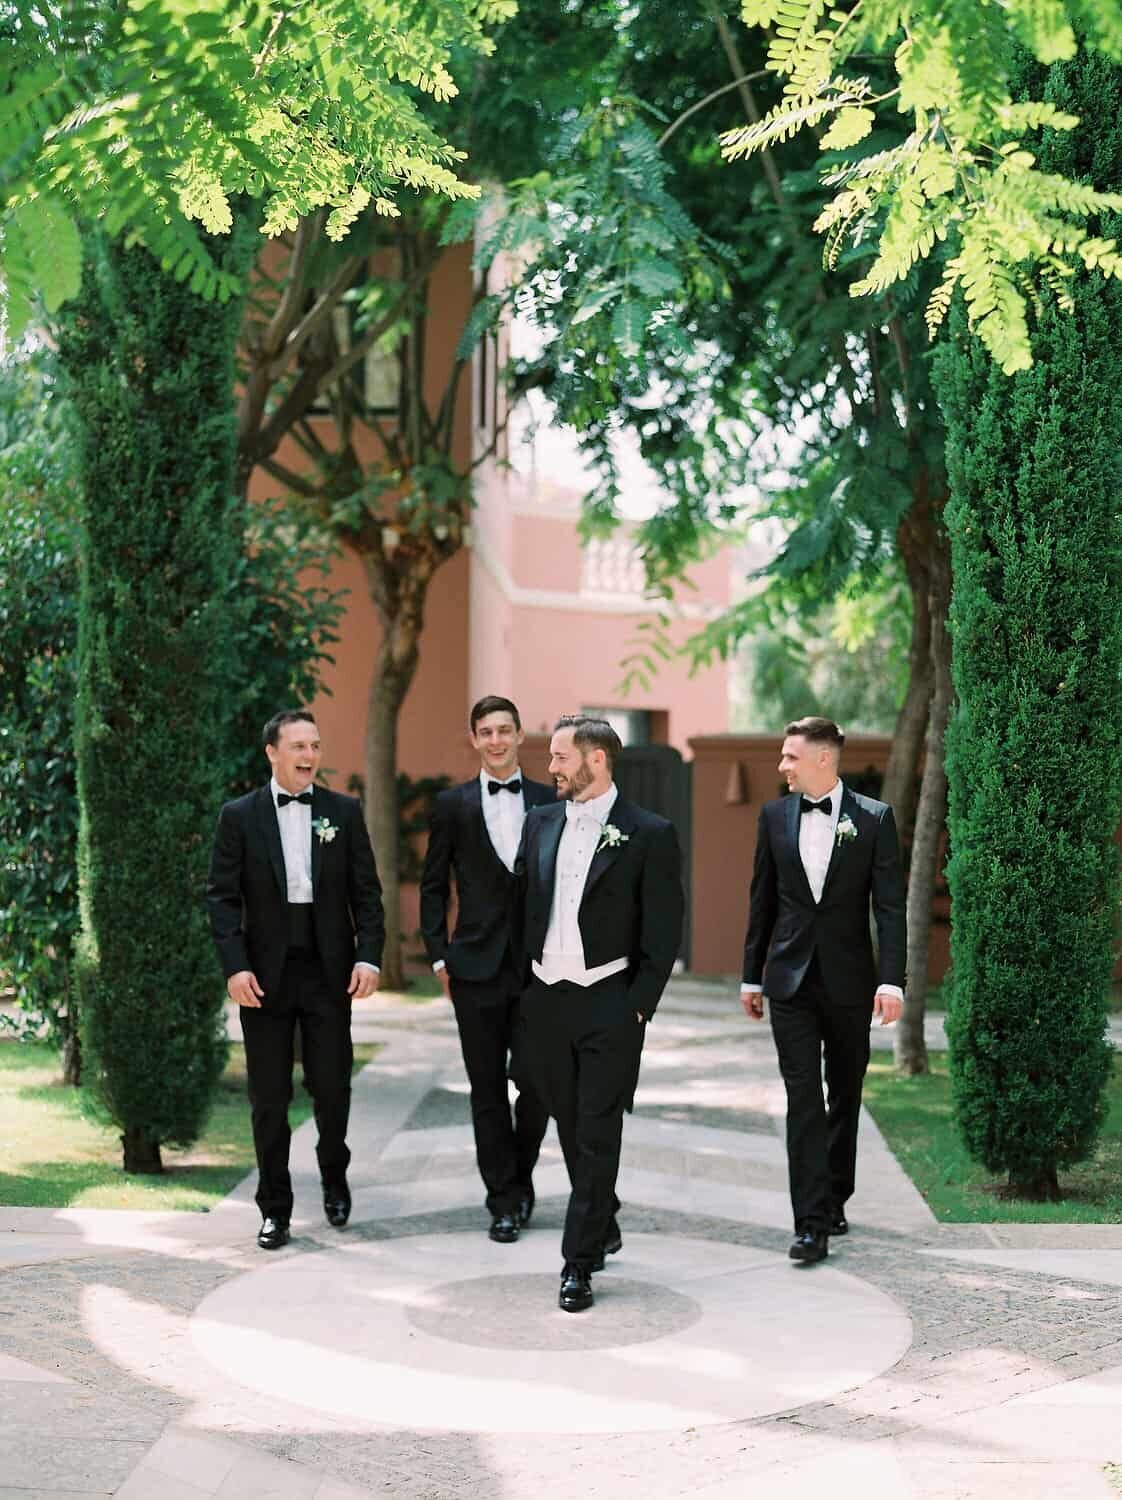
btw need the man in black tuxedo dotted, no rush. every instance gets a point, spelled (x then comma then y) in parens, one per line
(296, 913)
(822, 854)
(599, 922)
(474, 838)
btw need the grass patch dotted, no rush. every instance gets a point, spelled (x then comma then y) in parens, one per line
(914, 1115)
(54, 1157)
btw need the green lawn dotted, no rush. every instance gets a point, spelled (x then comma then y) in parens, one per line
(914, 1114)
(52, 1156)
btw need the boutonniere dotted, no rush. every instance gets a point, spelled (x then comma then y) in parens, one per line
(846, 829)
(611, 837)
(325, 830)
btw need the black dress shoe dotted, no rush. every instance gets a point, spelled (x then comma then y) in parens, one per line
(504, 1229)
(810, 1246)
(576, 1289)
(337, 1205)
(525, 1212)
(273, 1234)
(838, 1224)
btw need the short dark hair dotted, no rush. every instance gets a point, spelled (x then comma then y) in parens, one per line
(493, 704)
(271, 733)
(592, 734)
(818, 731)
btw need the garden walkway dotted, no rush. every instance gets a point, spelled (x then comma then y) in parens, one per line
(162, 1357)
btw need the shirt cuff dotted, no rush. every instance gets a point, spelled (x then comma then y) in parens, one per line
(439, 966)
(362, 964)
(751, 989)
(890, 989)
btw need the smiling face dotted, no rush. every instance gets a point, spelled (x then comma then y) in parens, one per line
(578, 774)
(296, 755)
(496, 738)
(809, 766)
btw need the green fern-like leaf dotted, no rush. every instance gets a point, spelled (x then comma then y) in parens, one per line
(849, 127)
(1043, 27)
(938, 304)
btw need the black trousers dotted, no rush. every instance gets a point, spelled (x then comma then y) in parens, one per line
(821, 1133)
(585, 1045)
(506, 1148)
(324, 1020)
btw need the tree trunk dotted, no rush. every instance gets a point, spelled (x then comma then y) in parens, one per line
(914, 540)
(1039, 1187)
(931, 815)
(142, 1153)
(71, 1051)
(400, 604)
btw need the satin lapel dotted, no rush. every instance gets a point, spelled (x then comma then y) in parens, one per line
(318, 844)
(623, 818)
(270, 832)
(547, 849)
(791, 817)
(473, 797)
(849, 805)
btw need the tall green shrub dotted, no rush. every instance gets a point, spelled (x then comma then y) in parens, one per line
(38, 625)
(1034, 749)
(151, 374)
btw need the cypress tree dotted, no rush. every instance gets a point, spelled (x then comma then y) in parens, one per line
(1034, 750)
(151, 371)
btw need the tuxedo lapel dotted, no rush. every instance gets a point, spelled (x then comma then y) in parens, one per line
(547, 848)
(791, 806)
(270, 832)
(318, 844)
(473, 806)
(848, 808)
(621, 817)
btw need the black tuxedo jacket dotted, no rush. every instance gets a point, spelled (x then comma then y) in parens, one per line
(632, 905)
(460, 846)
(247, 895)
(786, 927)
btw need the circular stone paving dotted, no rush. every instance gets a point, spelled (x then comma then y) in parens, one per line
(454, 1332)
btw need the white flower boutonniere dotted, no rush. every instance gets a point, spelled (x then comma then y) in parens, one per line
(611, 837)
(845, 829)
(325, 830)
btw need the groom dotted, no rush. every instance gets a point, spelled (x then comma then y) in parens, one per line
(599, 913)
(473, 842)
(296, 914)
(823, 853)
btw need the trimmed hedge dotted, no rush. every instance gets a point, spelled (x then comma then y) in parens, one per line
(1034, 753)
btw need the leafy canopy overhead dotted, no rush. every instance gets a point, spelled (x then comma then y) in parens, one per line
(151, 115)
(963, 174)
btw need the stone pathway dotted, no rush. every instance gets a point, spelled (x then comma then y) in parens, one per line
(162, 1357)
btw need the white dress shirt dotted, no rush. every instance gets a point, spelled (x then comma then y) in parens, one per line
(563, 953)
(503, 813)
(817, 832)
(295, 822)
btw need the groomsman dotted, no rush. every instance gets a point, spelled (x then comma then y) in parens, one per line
(600, 923)
(474, 838)
(823, 853)
(296, 914)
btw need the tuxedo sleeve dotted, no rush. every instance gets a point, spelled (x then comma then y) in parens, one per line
(364, 893)
(763, 905)
(890, 903)
(436, 882)
(224, 895)
(661, 916)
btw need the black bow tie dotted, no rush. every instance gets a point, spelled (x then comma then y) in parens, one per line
(283, 799)
(503, 786)
(826, 806)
